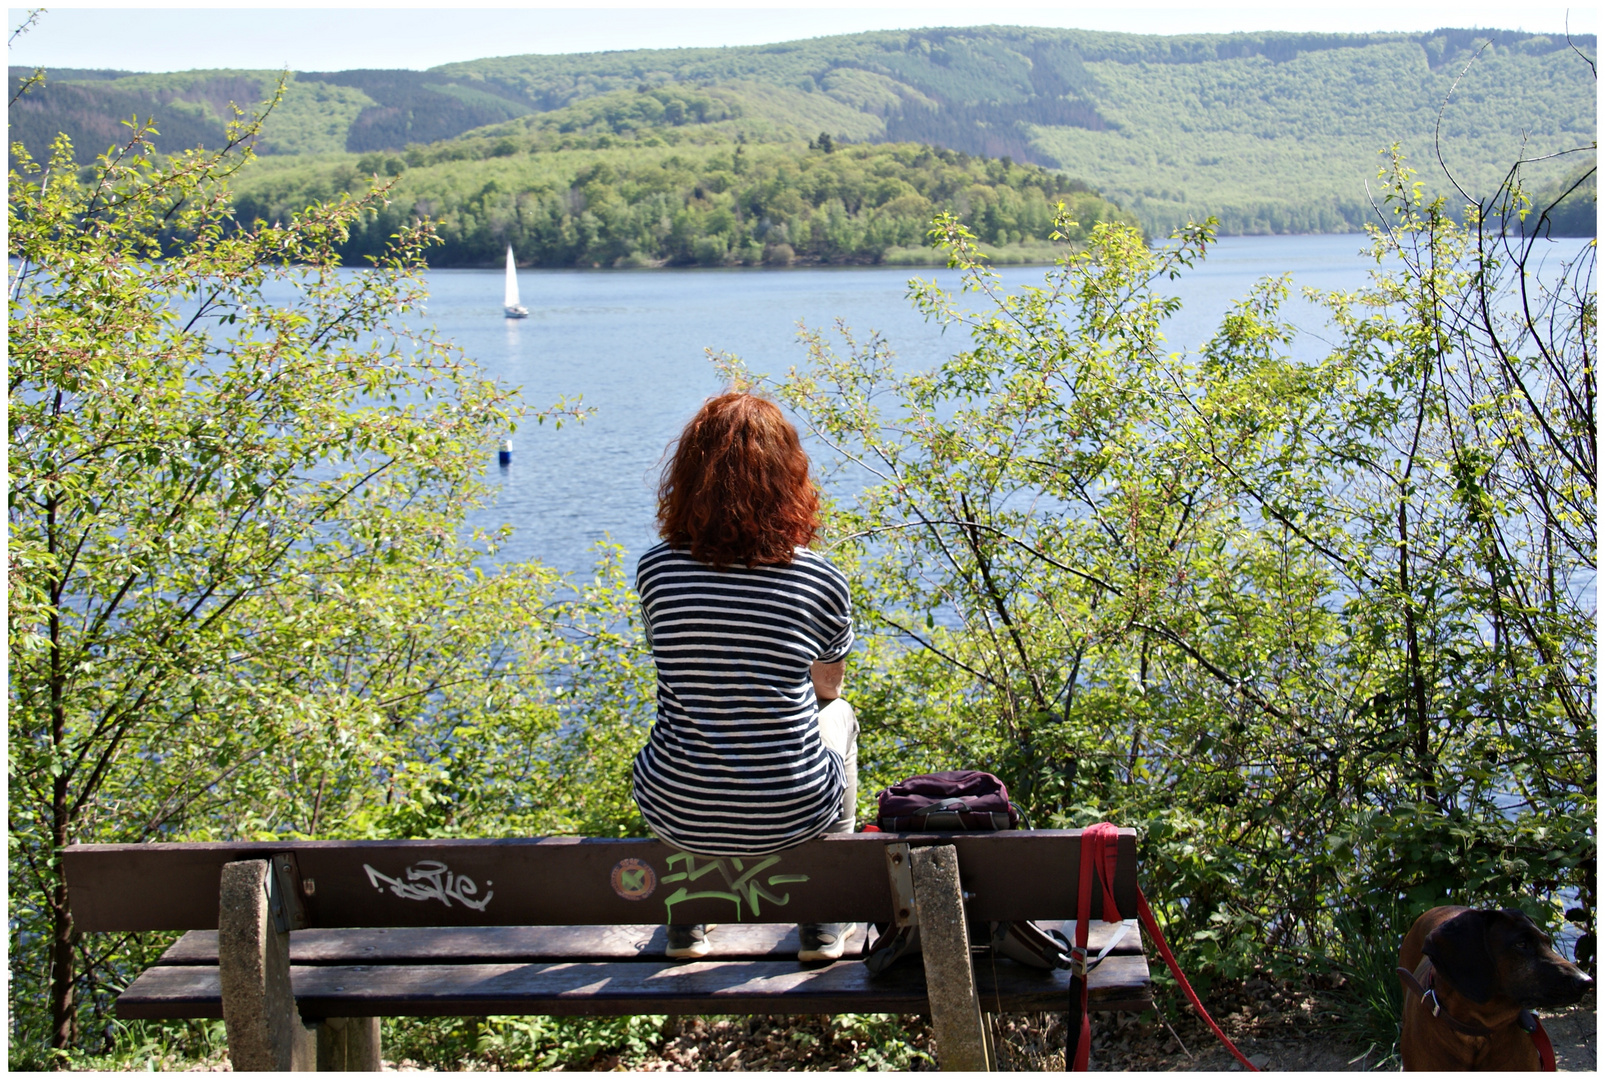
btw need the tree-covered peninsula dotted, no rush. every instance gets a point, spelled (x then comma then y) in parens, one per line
(589, 202)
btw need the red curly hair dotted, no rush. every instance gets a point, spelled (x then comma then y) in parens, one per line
(737, 489)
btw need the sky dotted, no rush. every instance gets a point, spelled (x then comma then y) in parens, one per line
(309, 38)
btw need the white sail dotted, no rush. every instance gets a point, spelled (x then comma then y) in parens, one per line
(512, 280)
(515, 310)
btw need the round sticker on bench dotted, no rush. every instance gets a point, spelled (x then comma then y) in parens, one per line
(634, 879)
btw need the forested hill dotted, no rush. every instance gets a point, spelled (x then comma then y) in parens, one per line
(1271, 132)
(708, 203)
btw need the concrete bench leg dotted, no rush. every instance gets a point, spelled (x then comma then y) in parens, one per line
(962, 1042)
(265, 1032)
(348, 1044)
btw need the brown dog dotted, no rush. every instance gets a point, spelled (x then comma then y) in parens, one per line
(1483, 969)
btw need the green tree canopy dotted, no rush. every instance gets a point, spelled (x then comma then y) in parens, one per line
(242, 601)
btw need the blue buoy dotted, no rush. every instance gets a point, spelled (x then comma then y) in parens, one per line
(504, 457)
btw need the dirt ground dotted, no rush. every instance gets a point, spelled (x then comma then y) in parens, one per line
(1284, 1030)
(1278, 1027)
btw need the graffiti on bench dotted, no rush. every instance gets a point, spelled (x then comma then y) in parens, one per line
(741, 884)
(431, 880)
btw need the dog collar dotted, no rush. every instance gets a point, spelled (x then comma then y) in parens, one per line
(1527, 1020)
(1429, 998)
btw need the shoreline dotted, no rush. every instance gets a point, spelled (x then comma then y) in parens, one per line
(1043, 254)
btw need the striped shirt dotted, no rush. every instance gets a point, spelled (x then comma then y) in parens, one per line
(734, 764)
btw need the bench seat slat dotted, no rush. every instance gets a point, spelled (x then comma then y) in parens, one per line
(504, 944)
(611, 989)
(509, 944)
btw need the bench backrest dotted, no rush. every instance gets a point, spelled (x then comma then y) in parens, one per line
(560, 881)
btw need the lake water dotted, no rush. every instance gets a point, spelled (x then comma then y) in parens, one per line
(631, 343)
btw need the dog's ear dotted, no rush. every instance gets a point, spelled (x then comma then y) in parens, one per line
(1458, 948)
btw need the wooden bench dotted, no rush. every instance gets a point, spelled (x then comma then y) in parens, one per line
(301, 946)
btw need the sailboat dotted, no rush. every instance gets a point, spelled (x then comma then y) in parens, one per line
(515, 310)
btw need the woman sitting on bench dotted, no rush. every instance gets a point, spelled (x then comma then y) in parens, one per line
(754, 749)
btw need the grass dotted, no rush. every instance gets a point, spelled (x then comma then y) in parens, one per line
(1371, 1000)
(521, 1043)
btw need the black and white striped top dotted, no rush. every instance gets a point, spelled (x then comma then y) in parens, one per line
(734, 764)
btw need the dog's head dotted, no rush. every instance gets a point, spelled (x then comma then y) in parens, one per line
(1488, 954)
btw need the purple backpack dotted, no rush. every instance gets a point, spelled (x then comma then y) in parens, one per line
(965, 800)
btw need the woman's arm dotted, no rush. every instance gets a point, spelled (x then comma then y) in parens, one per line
(828, 678)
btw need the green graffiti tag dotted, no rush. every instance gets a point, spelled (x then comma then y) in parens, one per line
(741, 884)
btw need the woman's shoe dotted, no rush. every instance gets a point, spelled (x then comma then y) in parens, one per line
(688, 942)
(823, 941)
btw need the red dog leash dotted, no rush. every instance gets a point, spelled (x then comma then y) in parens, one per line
(1152, 927)
(1527, 1019)
(1098, 853)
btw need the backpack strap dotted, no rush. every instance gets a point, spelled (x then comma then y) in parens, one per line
(891, 944)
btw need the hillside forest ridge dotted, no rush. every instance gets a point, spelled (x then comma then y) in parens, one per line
(841, 149)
